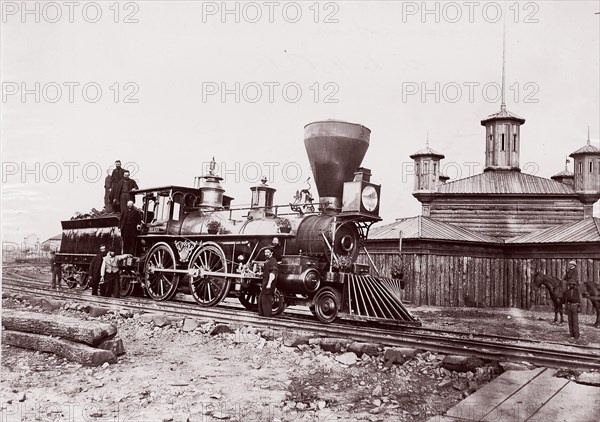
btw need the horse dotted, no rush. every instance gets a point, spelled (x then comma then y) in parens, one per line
(556, 287)
(591, 291)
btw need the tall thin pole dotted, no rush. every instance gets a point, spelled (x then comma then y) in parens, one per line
(503, 106)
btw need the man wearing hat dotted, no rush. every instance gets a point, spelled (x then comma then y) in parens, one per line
(270, 271)
(572, 299)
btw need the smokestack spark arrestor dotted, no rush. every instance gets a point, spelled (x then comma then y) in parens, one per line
(335, 150)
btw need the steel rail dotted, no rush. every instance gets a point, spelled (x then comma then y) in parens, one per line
(373, 326)
(442, 344)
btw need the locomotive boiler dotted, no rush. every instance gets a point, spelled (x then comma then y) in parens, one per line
(193, 240)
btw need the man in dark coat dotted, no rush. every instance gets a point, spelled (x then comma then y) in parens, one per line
(270, 272)
(129, 227)
(56, 271)
(107, 187)
(124, 192)
(115, 178)
(94, 271)
(572, 299)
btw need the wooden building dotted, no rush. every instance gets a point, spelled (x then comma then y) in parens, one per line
(447, 265)
(480, 239)
(503, 202)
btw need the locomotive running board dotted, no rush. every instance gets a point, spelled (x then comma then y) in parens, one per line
(377, 299)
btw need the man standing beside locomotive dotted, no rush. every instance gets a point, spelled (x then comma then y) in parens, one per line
(94, 270)
(109, 273)
(56, 272)
(267, 288)
(124, 192)
(129, 227)
(572, 299)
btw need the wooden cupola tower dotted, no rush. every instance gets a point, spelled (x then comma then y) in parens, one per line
(587, 175)
(502, 133)
(427, 176)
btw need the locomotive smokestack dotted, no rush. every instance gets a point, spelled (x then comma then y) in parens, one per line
(335, 150)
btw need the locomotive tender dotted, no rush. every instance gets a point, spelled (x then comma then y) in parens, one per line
(191, 241)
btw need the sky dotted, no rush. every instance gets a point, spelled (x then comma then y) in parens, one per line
(165, 86)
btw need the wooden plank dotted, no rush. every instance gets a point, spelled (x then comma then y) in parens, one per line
(463, 281)
(573, 403)
(89, 332)
(418, 277)
(510, 283)
(440, 418)
(76, 352)
(527, 400)
(488, 397)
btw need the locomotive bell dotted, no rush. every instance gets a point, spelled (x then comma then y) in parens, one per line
(335, 150)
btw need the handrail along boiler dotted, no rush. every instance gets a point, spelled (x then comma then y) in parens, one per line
(191, 241)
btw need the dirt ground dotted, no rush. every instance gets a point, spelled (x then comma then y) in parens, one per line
(510, 322)
(167, 374)
(170, 375)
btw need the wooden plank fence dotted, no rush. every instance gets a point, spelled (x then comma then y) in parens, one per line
(450, 280)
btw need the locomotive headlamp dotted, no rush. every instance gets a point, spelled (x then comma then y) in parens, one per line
(370, 198)
(361, 197)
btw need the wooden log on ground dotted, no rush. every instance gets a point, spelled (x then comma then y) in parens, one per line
(88, 332)
(76, 352)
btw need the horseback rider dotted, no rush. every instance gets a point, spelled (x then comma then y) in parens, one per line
(572, 299)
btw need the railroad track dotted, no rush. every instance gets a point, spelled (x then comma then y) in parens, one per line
(487, 347)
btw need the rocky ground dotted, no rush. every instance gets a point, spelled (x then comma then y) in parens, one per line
(192, 372)
(196, 370)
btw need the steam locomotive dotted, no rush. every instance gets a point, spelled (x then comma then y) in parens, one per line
(192, 240)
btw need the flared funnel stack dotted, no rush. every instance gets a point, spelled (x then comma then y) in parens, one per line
(335, 150)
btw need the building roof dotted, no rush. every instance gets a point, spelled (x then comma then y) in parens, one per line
(502, 114)
(506, 183)
(421, 227)
(426, 151)
(564, 173)
(57, 237)
(586, 149)
(586, 230)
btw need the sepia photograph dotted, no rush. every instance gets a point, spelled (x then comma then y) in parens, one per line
(300, 211)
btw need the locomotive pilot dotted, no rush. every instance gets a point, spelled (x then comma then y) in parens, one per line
(267, 288)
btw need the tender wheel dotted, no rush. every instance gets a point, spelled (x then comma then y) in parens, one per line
(127, 282)
(209, 290)
(160, 285)
(249, 298)
(326, 305)
(73, 277)
(84, 281)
